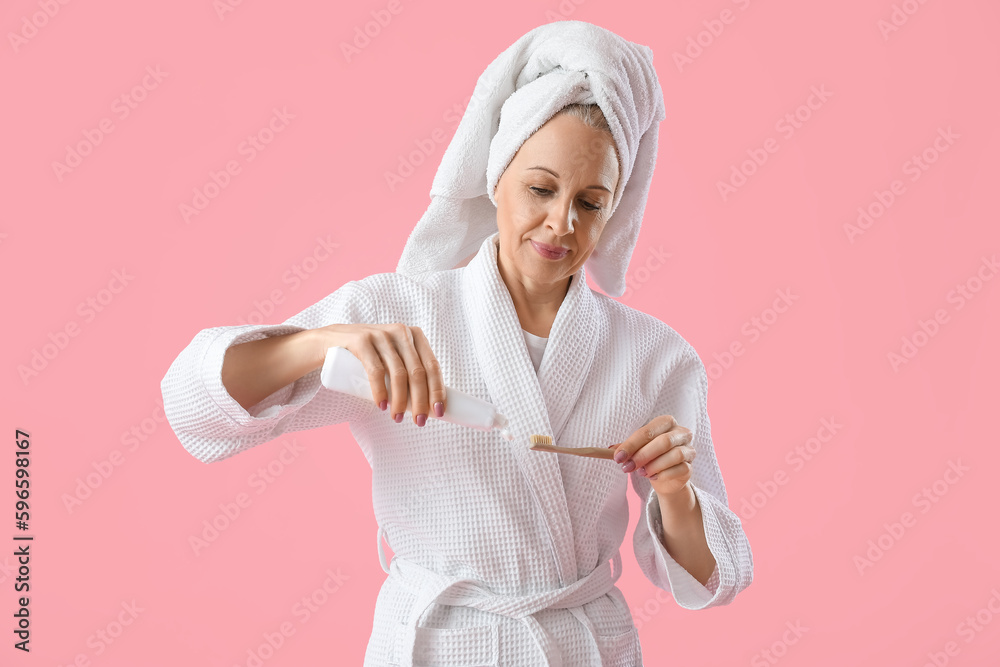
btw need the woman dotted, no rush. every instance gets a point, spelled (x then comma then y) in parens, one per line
(503, 555)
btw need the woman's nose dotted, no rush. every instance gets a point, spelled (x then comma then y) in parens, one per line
(563, 217)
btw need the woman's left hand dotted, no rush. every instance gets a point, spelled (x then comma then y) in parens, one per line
(662, 451)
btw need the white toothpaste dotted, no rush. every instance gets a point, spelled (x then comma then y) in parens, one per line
(343, 372)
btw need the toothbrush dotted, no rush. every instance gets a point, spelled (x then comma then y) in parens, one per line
(543, 443)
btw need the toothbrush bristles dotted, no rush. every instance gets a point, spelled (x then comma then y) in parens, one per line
(543, 440)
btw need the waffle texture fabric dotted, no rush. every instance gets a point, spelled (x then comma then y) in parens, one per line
(503, 556)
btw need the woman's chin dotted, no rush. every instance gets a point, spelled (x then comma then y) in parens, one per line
(545, 272)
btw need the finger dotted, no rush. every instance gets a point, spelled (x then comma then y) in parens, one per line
(681, 471)
(677, 457)
(435, 380)
(642, 436)
(374, 368)
(385, 343)
(661, 444)
(415, 372)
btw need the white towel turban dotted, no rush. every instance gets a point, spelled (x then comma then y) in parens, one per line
(551, 66)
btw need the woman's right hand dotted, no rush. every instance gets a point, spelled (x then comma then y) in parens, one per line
(404, 353)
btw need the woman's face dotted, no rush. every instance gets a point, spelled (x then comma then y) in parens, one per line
(556, 194)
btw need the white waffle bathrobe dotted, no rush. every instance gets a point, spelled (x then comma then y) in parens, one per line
(503, 556)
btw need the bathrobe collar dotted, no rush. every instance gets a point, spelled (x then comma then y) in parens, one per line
(533, 403)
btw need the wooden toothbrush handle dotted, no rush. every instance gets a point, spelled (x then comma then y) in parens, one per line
(592, 452)
(597, 452)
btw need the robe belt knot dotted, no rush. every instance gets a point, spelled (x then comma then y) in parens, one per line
(431, 587)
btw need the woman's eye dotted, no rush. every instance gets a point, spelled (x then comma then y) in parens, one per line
(544, 192)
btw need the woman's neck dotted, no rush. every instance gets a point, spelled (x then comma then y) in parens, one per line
(536, 310)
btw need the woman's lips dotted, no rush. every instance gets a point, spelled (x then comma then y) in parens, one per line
(549, 251)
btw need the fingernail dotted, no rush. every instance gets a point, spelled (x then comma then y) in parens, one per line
(628, 467)
(620, 457)
(398, 417)
(421, 420)
(384, 404)
(439, 409)
(642, 471)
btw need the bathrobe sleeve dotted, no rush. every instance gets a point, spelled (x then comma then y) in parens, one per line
(684, 395)
(212, 426)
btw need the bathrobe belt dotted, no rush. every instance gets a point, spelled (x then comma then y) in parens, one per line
(439, 589)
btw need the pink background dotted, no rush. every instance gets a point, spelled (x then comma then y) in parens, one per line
(932, 564)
